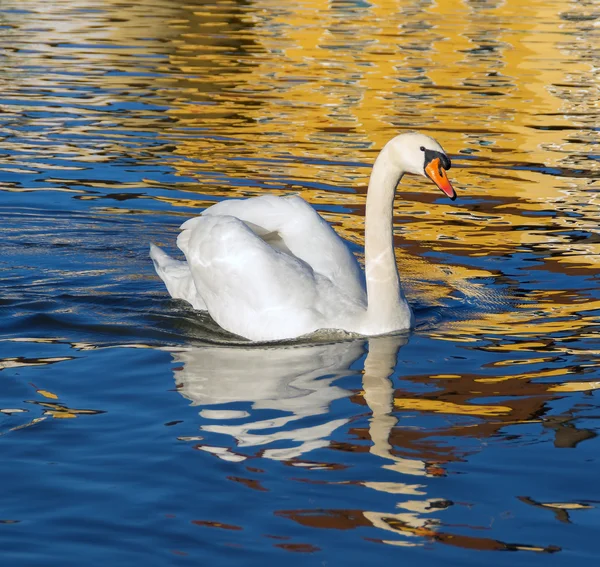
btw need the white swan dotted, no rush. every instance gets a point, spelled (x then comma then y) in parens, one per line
(270, 268)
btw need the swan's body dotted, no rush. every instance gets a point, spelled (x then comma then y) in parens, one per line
(270, 268)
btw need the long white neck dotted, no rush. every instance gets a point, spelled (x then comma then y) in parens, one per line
(387, 307)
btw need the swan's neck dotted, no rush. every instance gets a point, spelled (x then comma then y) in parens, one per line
(386, 302)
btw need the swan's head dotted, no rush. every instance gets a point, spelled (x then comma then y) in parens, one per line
(422, 155)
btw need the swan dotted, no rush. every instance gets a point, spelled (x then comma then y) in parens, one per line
(271, 268)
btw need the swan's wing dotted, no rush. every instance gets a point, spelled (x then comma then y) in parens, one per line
(291, 225)
(176, 276)
(249, 287)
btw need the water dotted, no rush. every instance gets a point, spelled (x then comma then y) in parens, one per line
(133, 433)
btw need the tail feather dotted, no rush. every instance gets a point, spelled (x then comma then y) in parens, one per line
(183, 240)
(176, 276)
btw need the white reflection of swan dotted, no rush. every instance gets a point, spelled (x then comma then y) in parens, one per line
(296, 380)
(300, 381)
(379, 395)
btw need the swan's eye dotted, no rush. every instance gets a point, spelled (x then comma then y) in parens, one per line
(422, 148)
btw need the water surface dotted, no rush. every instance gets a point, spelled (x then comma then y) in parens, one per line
(134, 432)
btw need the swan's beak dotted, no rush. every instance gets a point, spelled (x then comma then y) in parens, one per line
(437, 174)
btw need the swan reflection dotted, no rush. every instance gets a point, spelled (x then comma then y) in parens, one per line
(299, 382)
(295, 382)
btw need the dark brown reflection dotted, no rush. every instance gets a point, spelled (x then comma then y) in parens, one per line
(220, 525)
(298, 547)
(351, 519)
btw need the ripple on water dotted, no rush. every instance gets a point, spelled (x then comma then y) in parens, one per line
(134, 430)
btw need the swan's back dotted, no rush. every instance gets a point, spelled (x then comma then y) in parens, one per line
(291, 225)
(265, 268)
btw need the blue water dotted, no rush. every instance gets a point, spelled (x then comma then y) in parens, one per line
(134, 432)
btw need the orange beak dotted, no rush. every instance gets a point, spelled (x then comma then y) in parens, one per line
(437, 174)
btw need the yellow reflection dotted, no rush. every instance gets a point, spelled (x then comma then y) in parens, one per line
(438, 406)
(576, 387)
